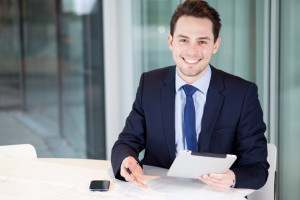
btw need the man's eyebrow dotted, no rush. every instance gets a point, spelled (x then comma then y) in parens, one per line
(182, 36)
(199, 38)
(203, 38)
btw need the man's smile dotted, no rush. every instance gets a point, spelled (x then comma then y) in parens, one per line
(191, 61)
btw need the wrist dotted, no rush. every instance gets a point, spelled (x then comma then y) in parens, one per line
(233, 178)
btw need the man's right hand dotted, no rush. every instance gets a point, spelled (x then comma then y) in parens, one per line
(136, 170)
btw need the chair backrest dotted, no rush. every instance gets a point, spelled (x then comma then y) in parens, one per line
(268, 191)
(26, 151)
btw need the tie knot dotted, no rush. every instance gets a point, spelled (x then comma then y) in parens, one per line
(189, 90)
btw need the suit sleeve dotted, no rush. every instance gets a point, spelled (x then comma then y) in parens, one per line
(131, 140)
(251, 168)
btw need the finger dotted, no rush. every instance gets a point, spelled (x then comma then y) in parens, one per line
(216, 182)
(215, 186)
(219, 176)
(125, 174)
(228, 182)
(141, 183)
(229, 175)
(136, 170)
(137, 180)
(222, 181)
(139, 176)
(227, 178)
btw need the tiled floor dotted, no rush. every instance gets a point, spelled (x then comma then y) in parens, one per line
(17, 128)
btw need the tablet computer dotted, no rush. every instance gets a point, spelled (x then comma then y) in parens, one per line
(190, 164)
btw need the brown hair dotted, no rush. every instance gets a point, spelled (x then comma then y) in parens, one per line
(200, 9)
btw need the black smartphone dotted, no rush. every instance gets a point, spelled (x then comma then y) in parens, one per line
(99, 185)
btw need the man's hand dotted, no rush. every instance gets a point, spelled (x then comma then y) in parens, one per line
(136, 170)
(219, 182)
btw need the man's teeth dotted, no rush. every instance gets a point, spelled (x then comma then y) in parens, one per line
(191, 61)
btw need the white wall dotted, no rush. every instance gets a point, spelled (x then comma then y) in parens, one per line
(119, 94)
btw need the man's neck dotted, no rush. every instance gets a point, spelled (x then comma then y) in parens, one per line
(191, 79)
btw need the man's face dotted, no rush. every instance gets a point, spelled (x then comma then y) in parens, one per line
(192, 46)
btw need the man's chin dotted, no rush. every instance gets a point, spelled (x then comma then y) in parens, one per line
(191, 73)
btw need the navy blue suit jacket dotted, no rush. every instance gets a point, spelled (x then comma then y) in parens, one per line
(232, 123)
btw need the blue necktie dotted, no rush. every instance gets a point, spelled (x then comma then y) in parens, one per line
(189, 118)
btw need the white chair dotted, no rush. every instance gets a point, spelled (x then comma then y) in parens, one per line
(26, 151)
(268, 191)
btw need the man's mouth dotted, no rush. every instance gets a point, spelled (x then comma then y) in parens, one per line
(191, 61)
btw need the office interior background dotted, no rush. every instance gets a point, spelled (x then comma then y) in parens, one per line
(69, 70)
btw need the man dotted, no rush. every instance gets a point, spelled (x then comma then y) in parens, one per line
(221, 115)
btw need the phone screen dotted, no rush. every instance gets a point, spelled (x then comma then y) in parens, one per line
(99, 185)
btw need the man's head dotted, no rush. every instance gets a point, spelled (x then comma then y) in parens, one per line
(194, 38)
(199, 9)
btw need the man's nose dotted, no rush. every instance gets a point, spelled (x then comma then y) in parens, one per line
(194, 50)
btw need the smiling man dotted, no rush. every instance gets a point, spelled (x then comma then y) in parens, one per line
(194, 106)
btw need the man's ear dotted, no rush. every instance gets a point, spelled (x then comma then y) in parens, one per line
(170, 39)
(217, 45)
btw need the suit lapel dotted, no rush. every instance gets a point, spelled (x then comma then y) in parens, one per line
(214, 102)
(168, 111)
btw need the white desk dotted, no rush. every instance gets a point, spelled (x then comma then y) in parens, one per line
(68, 179)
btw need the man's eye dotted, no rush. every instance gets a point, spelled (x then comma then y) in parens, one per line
(183, 40)
(202, 42)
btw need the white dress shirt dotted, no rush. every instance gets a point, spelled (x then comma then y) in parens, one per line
(199, 98)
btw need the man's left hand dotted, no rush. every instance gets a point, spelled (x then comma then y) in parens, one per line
(219, 182)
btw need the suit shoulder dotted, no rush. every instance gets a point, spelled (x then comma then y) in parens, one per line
(233, 79)
(159, 72)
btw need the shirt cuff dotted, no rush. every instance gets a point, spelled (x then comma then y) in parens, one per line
(233, 180)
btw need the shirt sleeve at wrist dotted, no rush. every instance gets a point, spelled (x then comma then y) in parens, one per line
(233, 180)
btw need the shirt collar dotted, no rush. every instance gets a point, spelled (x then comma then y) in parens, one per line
(201, 84)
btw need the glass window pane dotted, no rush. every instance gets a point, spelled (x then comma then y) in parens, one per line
(72, 72)
(41, 65)
(242, 48)
(151, 26)
(64, 84)
(9, 55)
(289, 137)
